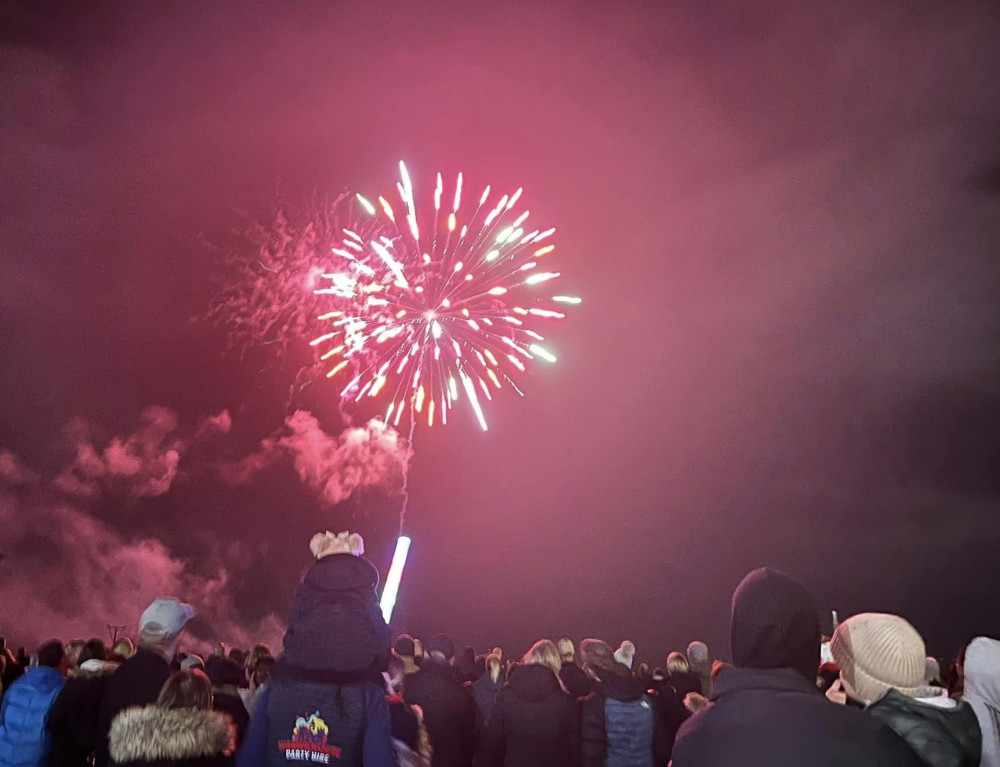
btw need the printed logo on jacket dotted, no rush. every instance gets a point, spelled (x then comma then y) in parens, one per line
(308, 743)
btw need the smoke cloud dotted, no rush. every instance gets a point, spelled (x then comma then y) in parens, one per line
(65, 571)
(335, 467)
(143, 464)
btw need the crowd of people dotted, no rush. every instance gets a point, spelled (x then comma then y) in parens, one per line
(344, 692)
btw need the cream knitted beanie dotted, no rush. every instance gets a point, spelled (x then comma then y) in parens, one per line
(878, 652)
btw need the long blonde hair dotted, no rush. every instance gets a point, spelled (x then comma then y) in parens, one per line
(544, 653)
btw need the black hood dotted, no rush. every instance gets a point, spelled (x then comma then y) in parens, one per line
(340, 572)
(621, 687)
(775, 624)
(940, 735)
(534, 682)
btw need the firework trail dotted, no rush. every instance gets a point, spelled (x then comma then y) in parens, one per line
(431, 316)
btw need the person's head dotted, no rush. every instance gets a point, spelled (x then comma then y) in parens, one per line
(877, 652)
(544, 653)
(225, 672)
(161, 624)
(625, 654)
(566, 650)
(189, 688)
(599, 659)
(494, 666)
(677, 663)
(93, 649)
(468, 658)
(73, 649)
(718, 667)
(123, 648)
(51, 654)
(441, 648)
(193, 661)
(932, 670)
(219, 651)
(405, 646)
(261, 671)
(695, 702)
(697, 653)
(774, 624)
(237, 655)
(257, 651)
(982, 672)
(498, 651)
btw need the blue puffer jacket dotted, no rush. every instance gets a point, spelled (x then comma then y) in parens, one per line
(619, 727)
(24, 741)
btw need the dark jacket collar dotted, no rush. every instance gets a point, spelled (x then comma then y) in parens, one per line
(775, 679)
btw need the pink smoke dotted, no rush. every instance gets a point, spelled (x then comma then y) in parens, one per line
(143, 464)
(335, 467)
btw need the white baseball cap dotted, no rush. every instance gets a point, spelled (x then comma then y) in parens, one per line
(166, 616)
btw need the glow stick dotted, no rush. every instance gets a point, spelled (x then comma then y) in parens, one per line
(391, 589)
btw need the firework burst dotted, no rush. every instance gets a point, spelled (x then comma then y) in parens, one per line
(427, 317)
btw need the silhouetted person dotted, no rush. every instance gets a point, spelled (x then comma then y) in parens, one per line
(534, 721)
(982, 692)
(574, 679)
(24, 740)
(138, 681)
(882, 661)
(448, 706)
(225, 676)
(179, 730)
(73, 719)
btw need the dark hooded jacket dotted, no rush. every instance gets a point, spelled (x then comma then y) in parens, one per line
(137, 682)
(449, 712)
(619, 724)
(336, 624)
(767, 709)
(170, 737)
(73, 718)
(943, 737)
(575, 680)
(325, 701)
(485, 692)
(535, 721)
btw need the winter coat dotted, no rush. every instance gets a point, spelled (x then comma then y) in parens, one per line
(336, 624)
(298, 722)
(982, 692)
(230, 703)
(777, 717)
(686, 683)
(137, 682)
(449, 713)
(151, 736)
(943, 732)
(534, 721)
(485, 691)
(575, 680)
(73, 717)
(619, 724)
(24, 741)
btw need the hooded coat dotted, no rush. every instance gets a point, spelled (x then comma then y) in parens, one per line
(534, 721)
(152, 736)
(72, 719)
(619, 724)
(767, 709)
(24, 741)
(982, 692)
(575, 680)
(137, 682)
(943, 732)
(336, 624)
(449, 712)
(485, 692)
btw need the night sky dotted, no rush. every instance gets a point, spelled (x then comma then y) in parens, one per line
(783, 217)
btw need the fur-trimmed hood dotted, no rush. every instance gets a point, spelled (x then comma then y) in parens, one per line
(154, 733)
